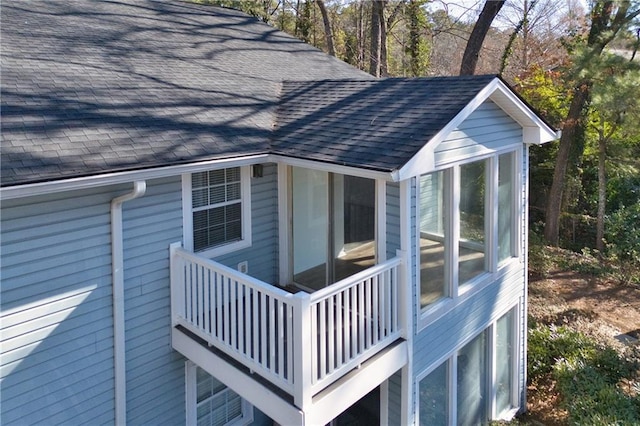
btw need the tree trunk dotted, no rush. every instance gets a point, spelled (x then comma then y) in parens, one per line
(328, 35)
(602, 192)
(384, 71)
(361, 38)
(375, 54)
(478, 34)
(572, 126)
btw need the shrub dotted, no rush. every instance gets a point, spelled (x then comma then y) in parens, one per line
(623, 234)
(586, 376)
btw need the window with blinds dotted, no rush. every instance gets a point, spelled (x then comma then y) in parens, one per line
(217, 207)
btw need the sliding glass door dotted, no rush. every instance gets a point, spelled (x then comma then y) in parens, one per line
(333, 226)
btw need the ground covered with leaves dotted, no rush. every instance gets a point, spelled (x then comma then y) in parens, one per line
(584, 352)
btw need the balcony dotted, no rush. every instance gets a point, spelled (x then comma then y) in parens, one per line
(303, 344)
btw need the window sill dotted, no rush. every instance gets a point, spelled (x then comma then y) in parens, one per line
(433, 312)
(225, 249)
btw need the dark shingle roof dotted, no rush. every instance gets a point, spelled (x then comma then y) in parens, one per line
(98, 87)
(378, 124)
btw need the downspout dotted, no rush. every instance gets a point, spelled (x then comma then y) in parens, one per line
(117, 275)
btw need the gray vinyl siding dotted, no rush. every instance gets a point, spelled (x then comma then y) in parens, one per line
(57, 308)
(477, 135)
(57, 341)
(262, 256)
(466, 320)
(155, 373)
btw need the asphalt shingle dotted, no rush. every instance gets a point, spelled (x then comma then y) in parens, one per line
(173, 82)
(97, 87)
(377, 124)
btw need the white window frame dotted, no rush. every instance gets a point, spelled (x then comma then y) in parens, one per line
(187, 216)
(457, 292)
(452, 373)
(191, 400)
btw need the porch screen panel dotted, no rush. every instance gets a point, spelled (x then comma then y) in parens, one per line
(432, 224)
(472, 244)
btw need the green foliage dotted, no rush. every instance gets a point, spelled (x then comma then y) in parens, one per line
(541, 259)
(549, 345)
(587, 262)
(586, 375)
(547, 91)
(623, 235)
(305, 24)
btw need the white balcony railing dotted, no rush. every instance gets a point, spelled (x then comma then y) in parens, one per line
(300, 342)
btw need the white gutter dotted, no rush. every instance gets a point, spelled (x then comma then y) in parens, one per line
(72, 184)
(117, 275)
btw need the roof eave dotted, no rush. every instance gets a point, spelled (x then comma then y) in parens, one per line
(114, 178)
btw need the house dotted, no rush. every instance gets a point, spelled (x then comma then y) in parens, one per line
(207, 221)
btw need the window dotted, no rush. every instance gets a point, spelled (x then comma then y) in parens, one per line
(433, 246)
(506, 232)
(505, 359)
(467, 225)
(472, 240)
(433, 392)
(472, 382)
(219, 206)
(476, 383)
(210, 403)
(333, 226)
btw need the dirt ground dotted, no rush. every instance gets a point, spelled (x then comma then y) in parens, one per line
(613, 308)
(603, 309)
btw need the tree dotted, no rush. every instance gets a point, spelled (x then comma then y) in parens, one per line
(327, 27)
(418, 48)
(608, 18)
(478, 34)
(615, 114)
(303, 22)
(377, 59)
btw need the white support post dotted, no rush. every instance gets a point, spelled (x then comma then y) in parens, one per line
(405, 298)
(283, 224)
(381, 220)
(177, 292)
(302, 351)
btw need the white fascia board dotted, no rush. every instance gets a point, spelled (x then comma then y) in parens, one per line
(19, 191)
(333, 168)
